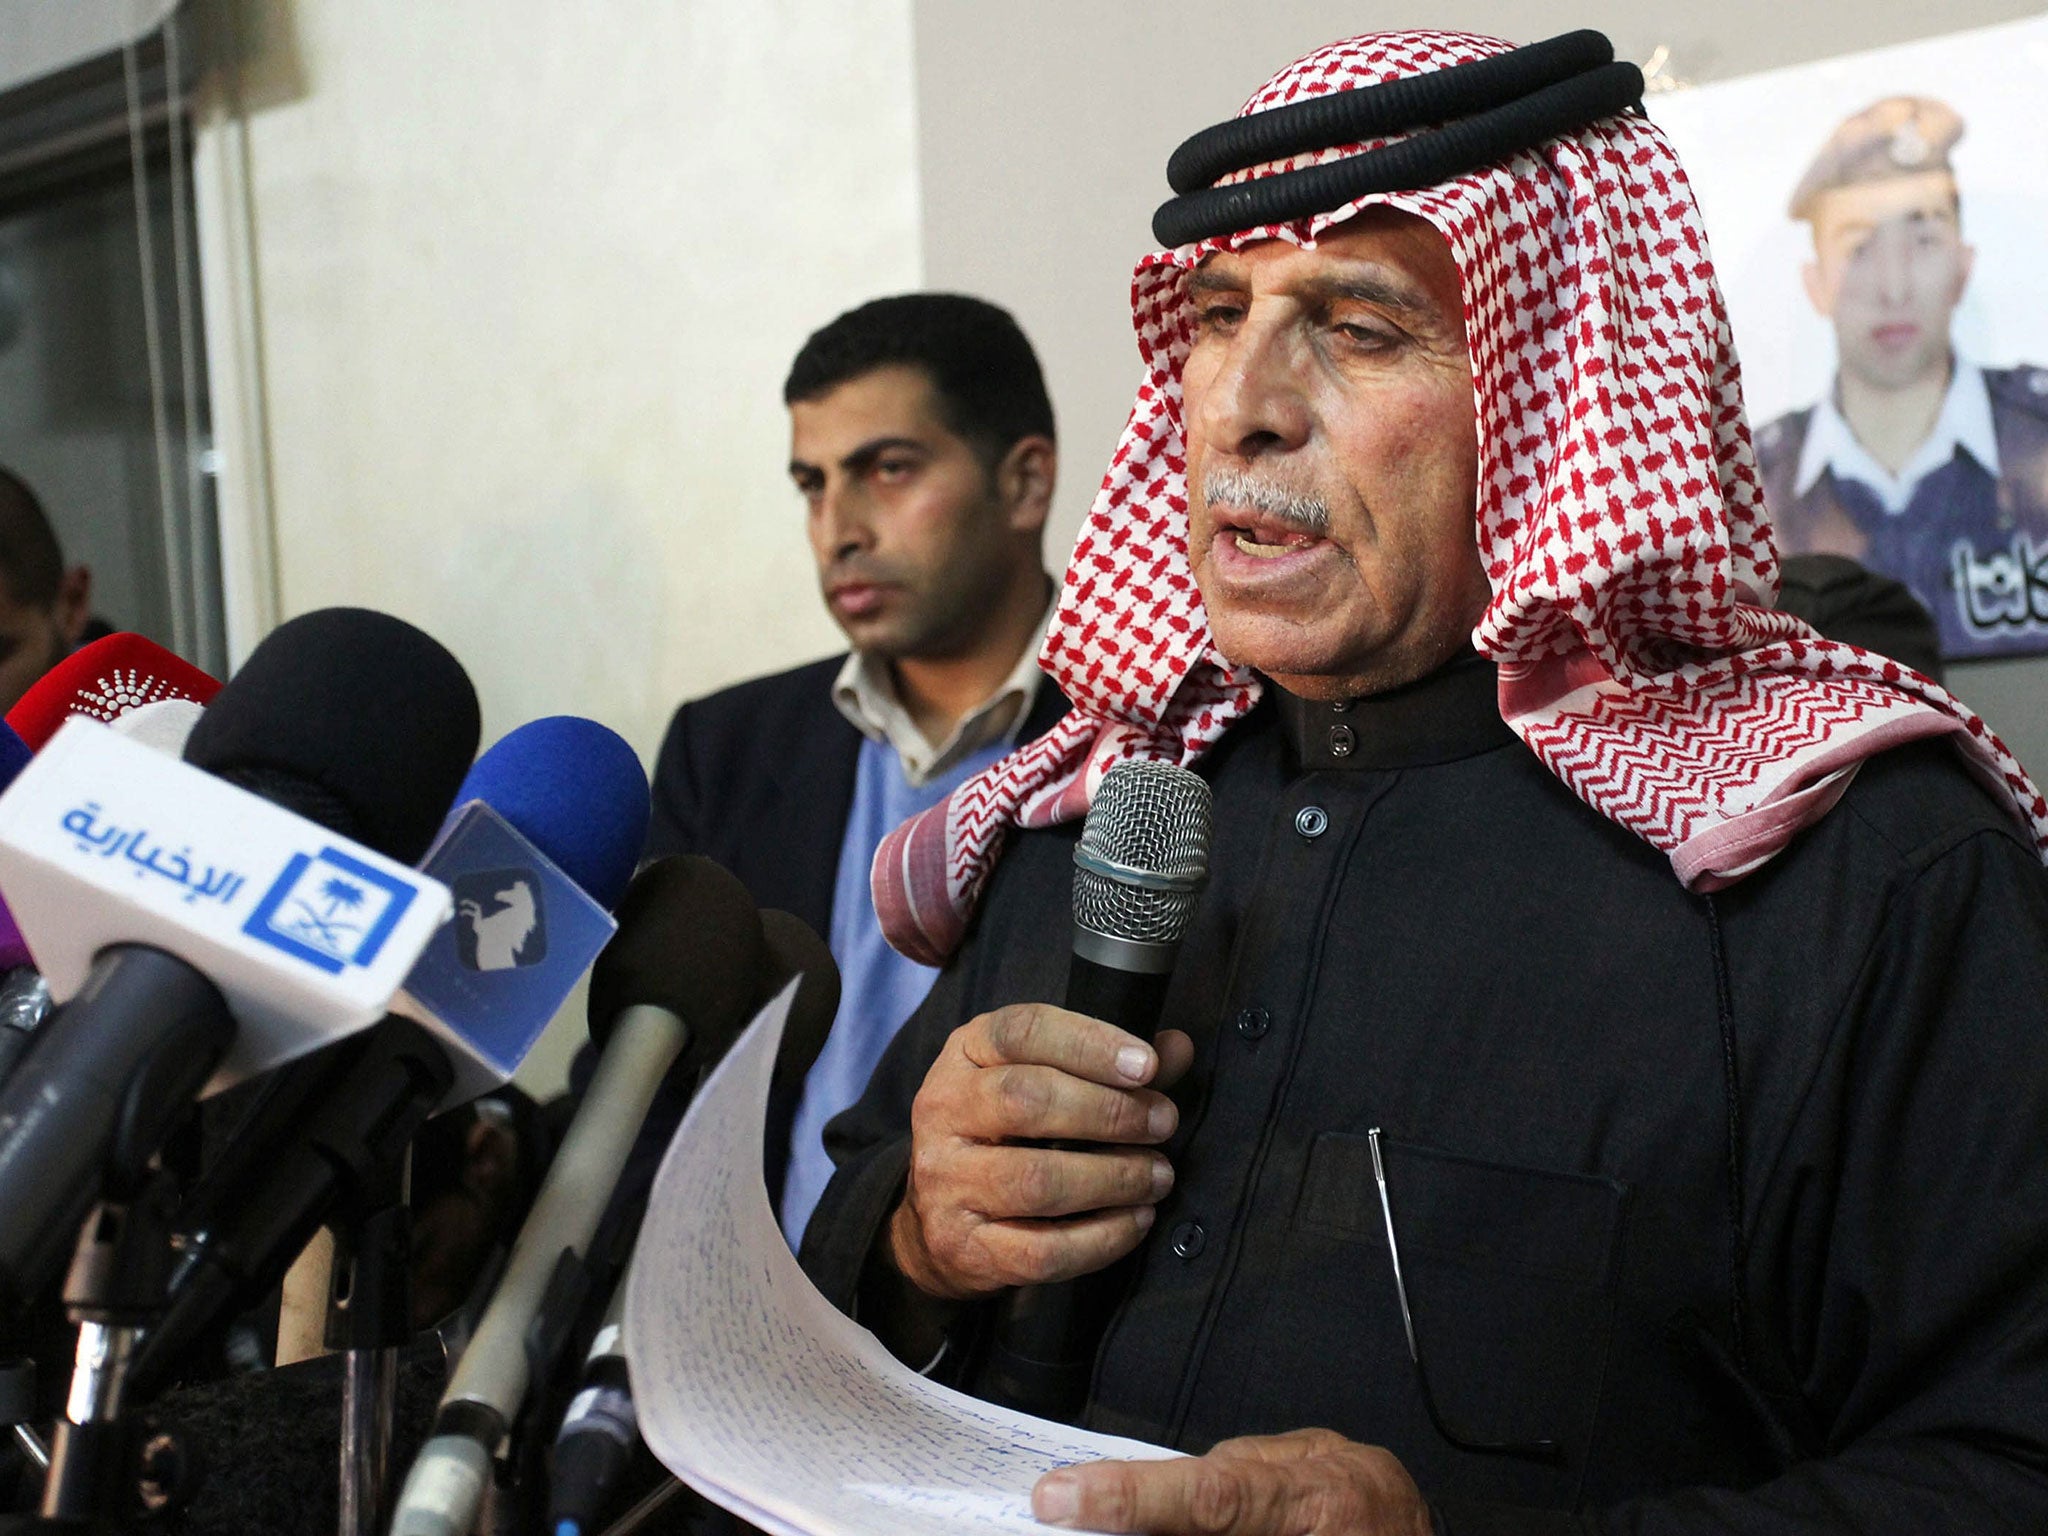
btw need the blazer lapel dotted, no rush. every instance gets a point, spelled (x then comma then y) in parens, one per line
(817, 794)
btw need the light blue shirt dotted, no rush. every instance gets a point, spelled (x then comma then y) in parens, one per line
(878, 988)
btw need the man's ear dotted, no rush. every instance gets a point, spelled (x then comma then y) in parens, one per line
(1966, 264)
(73, 607)
(1025, 480)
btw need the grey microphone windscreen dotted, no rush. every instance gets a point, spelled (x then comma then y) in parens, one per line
(1144, 853)
(165, 725)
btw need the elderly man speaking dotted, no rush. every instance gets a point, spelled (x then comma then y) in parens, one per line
(1605, 1087)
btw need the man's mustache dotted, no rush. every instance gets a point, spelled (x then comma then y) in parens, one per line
(1234, 488)
(858, 570)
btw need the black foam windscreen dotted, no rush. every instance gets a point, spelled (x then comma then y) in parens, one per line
(352, 718)
(793, 948)
(689, 941)
(258, 1453)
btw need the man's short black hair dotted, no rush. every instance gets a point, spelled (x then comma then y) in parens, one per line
(980, 365)
(30, 560)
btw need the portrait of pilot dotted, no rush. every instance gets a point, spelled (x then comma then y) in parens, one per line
(1916, 461)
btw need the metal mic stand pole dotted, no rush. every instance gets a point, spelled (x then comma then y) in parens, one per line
(119, 1280)
(369, 1319)
(116, 1288)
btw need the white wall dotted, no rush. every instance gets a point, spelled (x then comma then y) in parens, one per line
(1044, 129)
(500, 296)
(523, 280)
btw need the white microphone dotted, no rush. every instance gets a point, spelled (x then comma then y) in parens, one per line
(308, 935)
(668, 994)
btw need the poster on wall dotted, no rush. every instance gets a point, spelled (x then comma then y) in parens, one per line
(1880, 224)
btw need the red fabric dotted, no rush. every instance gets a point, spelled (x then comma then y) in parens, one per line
(103, 681)
(1620, 519)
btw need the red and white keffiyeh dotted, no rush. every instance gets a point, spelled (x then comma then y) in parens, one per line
(1620, 519)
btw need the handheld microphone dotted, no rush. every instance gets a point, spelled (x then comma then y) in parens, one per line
(164, 726)
(24, 995)
(23, 992)
(599, 1431)
(539, 849)
(599, 1428)
(109, 681)
(343, 725)
(574, 789)
(669, 993)
(1138, 871)
(113, 676)
(556, 804)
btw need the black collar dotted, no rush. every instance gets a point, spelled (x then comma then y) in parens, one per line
(1452, 713)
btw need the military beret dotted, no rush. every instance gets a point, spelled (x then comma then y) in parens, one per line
(1899, 136)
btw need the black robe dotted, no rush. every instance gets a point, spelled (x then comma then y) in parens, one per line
(1742, 1200)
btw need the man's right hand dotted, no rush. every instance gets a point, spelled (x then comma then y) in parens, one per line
(987, 1206)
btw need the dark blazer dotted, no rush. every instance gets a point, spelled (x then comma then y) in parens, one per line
(759, 777)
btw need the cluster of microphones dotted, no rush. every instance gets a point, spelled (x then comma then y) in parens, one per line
(255, 936)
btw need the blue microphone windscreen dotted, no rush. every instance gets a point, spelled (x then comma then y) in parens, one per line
(576, 791)
(14, 754)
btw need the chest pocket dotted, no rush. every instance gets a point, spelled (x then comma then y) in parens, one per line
(1510, 1275)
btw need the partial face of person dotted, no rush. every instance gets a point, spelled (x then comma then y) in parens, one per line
(31, 642)
(453, 1233)
(1333, 457)
(1889, 269)
(915, 537)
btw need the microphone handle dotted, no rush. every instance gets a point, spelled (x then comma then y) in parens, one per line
(1131, 1000)
(1043, 1350)
(14, 1044)
(599, 1430)
(116, 1069)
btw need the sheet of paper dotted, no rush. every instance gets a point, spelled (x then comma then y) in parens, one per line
(756, 1391)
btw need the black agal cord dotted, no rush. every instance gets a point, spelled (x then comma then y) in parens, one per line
(1488, 109)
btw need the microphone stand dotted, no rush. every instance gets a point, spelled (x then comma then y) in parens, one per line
(369, 1319)
(119, 1281)
(117, 1286)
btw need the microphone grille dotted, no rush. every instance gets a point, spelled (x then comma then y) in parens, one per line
(1144, 853)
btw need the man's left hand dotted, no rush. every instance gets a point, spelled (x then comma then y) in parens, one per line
(1312, 1482)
